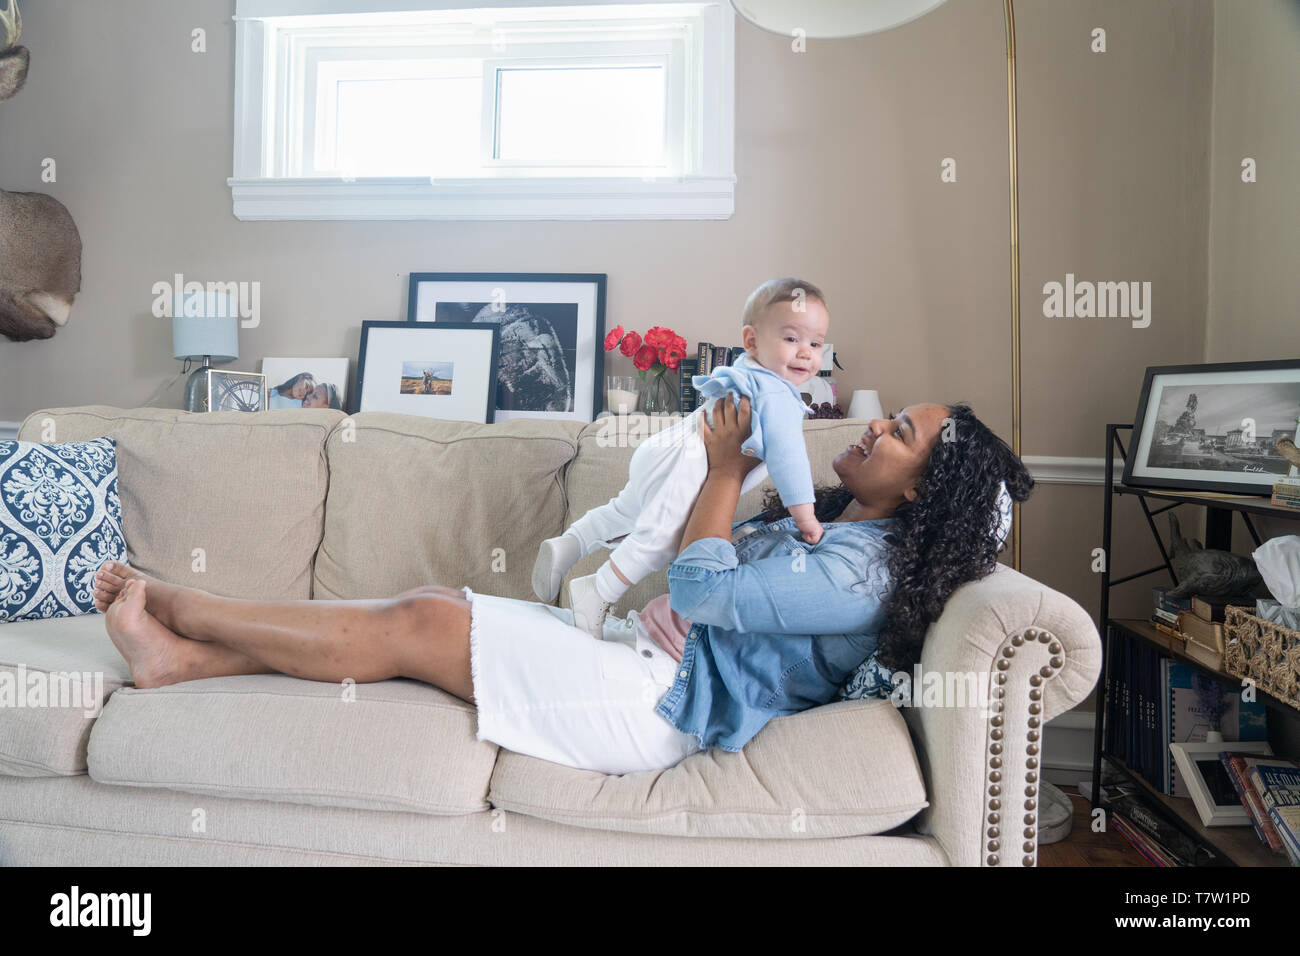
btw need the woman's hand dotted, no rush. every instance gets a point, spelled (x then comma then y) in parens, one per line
(723, 441)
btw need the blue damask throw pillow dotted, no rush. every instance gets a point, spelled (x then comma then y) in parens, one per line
(60, 520)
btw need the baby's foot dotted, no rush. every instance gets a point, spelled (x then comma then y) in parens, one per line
(589, 608)
(554, 558)
(154, 653)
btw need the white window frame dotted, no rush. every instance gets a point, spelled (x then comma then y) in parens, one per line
(696, 180)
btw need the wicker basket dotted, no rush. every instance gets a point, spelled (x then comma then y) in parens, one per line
(1267, 653)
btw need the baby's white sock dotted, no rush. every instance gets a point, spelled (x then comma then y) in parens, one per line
(608, 586)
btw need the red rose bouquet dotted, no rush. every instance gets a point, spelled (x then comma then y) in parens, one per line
(662, 350)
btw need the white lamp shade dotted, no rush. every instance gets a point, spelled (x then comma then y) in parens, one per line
(865, 404)
(831, 19)
(205, 323)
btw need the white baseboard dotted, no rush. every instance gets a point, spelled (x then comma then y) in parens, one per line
(1067, 747)
(9, 430)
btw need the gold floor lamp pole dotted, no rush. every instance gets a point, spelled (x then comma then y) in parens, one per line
(1010, 21)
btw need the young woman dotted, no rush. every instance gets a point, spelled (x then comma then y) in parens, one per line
(754, 626)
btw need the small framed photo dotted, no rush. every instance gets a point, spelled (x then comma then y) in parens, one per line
(439, 370)
(306, 382)
(1211, 788)
(236, 391)
(1214, 427)
(552, 357)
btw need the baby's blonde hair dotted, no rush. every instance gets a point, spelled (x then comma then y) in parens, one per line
(778, 290)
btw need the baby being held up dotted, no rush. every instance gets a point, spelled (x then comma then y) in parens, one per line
(785, 325)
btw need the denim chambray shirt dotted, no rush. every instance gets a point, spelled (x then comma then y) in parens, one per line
(772, 632)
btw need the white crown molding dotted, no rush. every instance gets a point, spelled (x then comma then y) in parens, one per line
(1050, 470)
(9, 430)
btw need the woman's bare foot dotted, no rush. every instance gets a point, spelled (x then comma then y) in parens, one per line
(110, 578)
(156, 655)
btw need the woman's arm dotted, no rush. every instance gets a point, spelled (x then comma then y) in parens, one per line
(715, 508)
(781, 594)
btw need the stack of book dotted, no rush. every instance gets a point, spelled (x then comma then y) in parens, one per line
(1195, 623)
(1149, 826)
(1286, 493)
(708, 357)
(1269, 789)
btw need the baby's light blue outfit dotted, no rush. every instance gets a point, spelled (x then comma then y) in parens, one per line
(776, 424)
(643, 524)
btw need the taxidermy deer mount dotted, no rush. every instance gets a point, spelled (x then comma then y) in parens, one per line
(40, 248)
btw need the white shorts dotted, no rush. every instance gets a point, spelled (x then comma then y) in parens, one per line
(550, 690)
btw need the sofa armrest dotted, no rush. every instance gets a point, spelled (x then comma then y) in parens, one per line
(1031, 653)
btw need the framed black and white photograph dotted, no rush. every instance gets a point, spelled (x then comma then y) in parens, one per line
(236, 391)
(306, 382)
(551, 358)
(439, 370)
(1214, 427)
(1212, 791)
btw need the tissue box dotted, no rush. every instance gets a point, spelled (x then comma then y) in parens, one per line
(1271, 610)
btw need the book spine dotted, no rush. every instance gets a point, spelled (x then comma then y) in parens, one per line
(686, 398)
(704, 358)
(1235, 766)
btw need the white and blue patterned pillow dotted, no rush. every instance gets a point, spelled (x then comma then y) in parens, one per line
(60, 520)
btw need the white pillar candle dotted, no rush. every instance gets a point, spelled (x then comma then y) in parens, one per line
(621, 401)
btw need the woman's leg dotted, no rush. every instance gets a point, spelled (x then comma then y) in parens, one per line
(421, 634)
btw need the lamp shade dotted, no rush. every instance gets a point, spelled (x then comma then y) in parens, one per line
(865, 404)
(831, 19)
(205, 323)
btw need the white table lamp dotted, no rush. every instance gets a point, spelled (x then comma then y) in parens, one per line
(865, 404)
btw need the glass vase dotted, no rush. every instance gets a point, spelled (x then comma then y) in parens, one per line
(659, 397)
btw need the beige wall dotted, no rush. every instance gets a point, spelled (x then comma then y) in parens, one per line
(1254, 305)
(838, 152)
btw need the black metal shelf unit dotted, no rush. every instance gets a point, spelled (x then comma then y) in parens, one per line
(1218, 534)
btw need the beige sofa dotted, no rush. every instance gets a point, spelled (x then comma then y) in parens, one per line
(270, 769)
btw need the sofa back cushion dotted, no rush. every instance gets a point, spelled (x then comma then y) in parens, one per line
(232, 502)
(415, 501)
(599, 472)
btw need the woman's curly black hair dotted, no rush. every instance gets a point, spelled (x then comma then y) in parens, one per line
(943, 539)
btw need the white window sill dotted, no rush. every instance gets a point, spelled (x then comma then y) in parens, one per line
(689, 197)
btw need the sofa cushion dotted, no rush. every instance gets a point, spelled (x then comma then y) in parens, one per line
(599, 472)
(60, 519)
(415, 501)
(54, 678)
(392, 745)
(842, 769)
(232, 502)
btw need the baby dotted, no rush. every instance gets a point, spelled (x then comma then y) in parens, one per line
(785, 324)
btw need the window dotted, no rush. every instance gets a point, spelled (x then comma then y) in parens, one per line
(569, 111)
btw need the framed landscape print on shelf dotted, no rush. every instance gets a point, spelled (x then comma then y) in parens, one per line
(306, 382)
(440, 370)
(551, 359)
(1214, 427)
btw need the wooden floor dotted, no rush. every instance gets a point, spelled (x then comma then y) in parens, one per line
(1085, 848)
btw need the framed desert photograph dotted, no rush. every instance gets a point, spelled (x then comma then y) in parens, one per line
(551, 360)
(306, 382)
(236, 391)
(1215, 427)
(439, 370)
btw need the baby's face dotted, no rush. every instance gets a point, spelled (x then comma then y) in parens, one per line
(789, 341)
